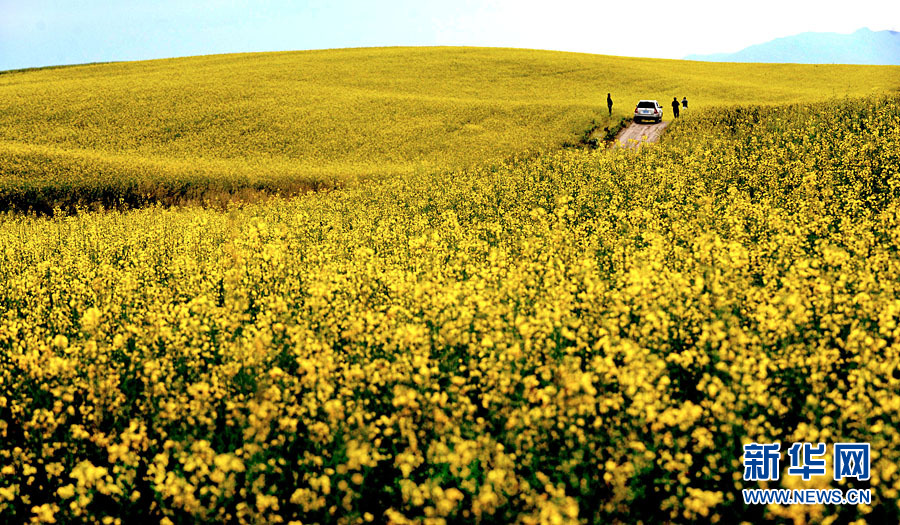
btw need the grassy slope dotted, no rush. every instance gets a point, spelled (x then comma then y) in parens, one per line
(168, 129)
(580, 332)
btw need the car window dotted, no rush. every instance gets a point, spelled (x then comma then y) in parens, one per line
(646, 104)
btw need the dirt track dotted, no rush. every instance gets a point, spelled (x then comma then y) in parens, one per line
(638, 132)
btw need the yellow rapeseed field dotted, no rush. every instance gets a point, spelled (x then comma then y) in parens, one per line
(573, 336)
(185, 129)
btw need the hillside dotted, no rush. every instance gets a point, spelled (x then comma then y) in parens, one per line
(478, 326)
(130, 134)
(861, 47)
(574, 337)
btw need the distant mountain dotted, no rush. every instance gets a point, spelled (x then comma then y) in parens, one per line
(862, 47)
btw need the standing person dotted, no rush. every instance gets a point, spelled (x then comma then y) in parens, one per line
(609, 103)
(684, 103)
(675, 106)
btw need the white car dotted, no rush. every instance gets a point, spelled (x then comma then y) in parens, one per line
(649, 110)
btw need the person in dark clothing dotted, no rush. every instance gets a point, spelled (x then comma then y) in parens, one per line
(684, 102)
(675, 107)
(609, 103)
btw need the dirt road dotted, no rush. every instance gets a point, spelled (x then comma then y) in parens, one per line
(638, 133)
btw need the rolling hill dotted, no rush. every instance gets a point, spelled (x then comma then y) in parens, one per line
(567, 336)
(861, 47)
(128, 134)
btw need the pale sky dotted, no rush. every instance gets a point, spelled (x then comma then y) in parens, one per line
(49, 32)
